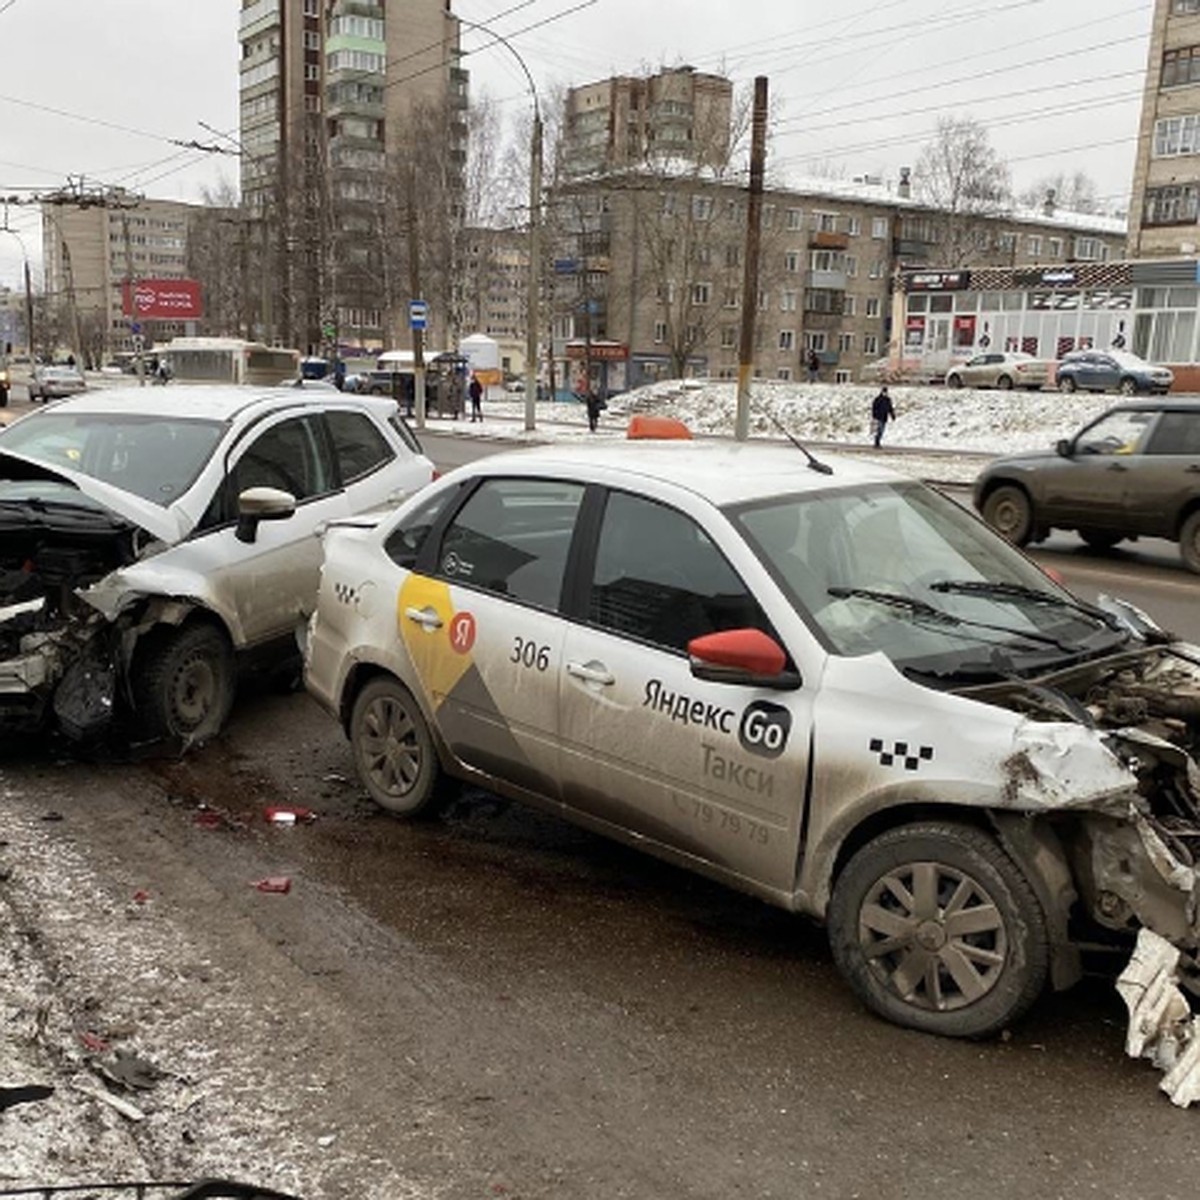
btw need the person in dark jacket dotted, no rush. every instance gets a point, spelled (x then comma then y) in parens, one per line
(595, 406)
(881, 413)
(813, 362)
(475, 391)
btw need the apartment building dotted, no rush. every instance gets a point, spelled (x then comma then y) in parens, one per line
(679, 113)
(94, 244)
(339, 100)
(1164, 218)
(653, 272)
(493, 290)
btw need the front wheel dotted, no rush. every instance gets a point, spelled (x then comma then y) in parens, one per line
(184, 682)
(1008, 511)
(1189, 542)
(937, 929)
(1129, 387)
(1067, 384)
(393, 749)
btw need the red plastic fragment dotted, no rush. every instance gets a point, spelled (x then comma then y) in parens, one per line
(209, 818)
(274, 883)
(141, 896)
(93, 1042)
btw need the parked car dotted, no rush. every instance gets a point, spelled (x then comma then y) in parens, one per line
(55, 382)
(1111, 371)
(1004, 370)
(149, 540)
(832, 688)
(1133, 472)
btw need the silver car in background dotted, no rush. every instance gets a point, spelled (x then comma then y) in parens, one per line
(1004, 370)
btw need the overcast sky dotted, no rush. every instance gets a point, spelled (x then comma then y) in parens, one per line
(1058, 82)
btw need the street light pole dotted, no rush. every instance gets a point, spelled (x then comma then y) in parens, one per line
(534, 284)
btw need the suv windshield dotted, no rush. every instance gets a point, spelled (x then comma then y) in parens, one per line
(900, 569)
(155, 457)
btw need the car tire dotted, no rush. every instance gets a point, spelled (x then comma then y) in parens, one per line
(936, 929)
(394, 751)
(1128, 387)
(184, 683)
(954, 381)
(1009, 512)
(1067, 384)
(1100, 539)
(1189, 542)
(1004, 383)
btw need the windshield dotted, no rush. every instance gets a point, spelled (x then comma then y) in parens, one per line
(155, 457)
(901, 569)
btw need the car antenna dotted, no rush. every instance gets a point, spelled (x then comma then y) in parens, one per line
(814, 463)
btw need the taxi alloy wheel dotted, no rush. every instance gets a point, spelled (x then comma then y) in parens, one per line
(393, 750)
(937, 929)
(1008, 511)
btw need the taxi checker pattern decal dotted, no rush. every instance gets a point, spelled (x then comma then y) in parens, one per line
(466, 711)
(910, 756)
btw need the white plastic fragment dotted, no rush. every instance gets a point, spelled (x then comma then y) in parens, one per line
(131, 1111)
(1161, 1025)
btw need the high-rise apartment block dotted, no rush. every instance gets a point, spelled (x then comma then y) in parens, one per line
(1164, 216)
(679, 114)
(337, 98)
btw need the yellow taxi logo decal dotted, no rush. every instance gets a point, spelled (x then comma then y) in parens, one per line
(438, 640)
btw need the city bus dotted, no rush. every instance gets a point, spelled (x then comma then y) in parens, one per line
(228, 360)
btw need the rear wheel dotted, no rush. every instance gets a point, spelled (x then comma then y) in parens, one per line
(1004, 383)
(1008, 511)
(954, 381)
(937, 929)
(393, 749)
(1129, 386)
(184, 682)
(1066, 384)
(1189, 542)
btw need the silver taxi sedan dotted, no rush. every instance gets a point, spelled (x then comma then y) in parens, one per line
(821, 683)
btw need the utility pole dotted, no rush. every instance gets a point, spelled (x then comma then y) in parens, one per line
(535, 272)
(131, 299)
(29, 312)
(414, 284)
(758, 160)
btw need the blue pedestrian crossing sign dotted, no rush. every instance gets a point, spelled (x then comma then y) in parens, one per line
(418, 314)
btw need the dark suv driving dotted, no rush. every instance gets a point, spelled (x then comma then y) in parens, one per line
(1133, 472)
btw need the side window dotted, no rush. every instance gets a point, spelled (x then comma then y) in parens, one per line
(1176, 433)
(659, 578)
(512, 537)
(400, 425)
(358, 445)
(403, 545)
(286, 456)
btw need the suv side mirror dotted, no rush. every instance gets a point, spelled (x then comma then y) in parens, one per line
(1063, 446)
(262, 504)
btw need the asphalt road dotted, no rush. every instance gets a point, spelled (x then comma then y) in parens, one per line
(509, 1006)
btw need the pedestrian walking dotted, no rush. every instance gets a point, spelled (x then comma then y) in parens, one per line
(814, 366)
(475, 391)
(881, 413)
(594, 407)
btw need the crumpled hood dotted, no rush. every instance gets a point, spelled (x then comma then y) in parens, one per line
(168, 525)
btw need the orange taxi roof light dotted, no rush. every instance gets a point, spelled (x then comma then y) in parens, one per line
(645, 427)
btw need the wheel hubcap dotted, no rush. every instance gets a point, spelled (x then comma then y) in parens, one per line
(391, 751)
(194, 693)
(933, 935)
(1008, 517)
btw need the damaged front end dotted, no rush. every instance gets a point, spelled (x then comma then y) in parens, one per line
(58, 654)
(1133, 850)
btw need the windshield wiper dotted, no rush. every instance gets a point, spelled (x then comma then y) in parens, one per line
(930, 612)
(1021, 591)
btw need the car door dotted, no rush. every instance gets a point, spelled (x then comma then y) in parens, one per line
(1105, 372)
(269, 584)
(482, 626)
(373, 470)
(1166, 474)
(715, 771)
(974, 370)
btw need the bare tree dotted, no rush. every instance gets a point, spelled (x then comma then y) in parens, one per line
(218, 257)
(1074, 191)
(960, 176)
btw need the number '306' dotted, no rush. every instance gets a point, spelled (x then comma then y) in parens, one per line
(530, 654)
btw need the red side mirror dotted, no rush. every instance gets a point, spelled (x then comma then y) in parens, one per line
(748, 650)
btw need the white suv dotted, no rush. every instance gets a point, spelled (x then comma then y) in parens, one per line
(148, 539)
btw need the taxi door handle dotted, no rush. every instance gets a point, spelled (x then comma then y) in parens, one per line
(1117, 467)
(592, 672)
(427, 618)
(1193, 469)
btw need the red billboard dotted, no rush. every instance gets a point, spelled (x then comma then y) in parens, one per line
(162, 300)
